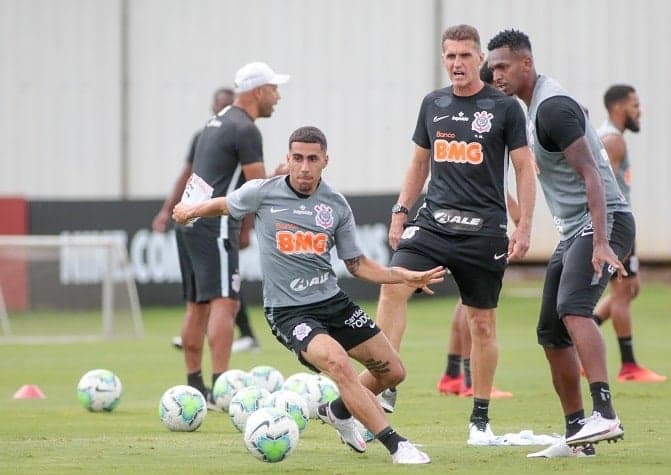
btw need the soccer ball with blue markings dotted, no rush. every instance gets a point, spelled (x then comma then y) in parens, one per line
(320, 389)
(271, 435)
(227, 384)
(182, 408)
(99, 390)
(293, 404)
(244, 403)
(298, 383)
(266, 377)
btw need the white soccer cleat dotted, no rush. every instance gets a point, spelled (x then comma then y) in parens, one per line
(177, 342)
(407, 453)
(595, 429)
(345, 427)
(367, 435)
(481, 434)
(245, 343)
(560, 449)
(387, 399)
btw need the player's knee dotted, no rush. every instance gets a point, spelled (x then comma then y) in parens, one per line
(396, 374)
(394, 293)
(339, 368)
(481, 327)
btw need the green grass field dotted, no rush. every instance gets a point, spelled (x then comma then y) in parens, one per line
(56, 435)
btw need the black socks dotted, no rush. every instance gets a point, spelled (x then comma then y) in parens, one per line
(390, 439)
(600, 392)
(195, 380)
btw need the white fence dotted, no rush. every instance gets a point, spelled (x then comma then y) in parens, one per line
(100, 97)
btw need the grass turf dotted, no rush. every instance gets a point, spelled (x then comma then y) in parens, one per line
(56, 435)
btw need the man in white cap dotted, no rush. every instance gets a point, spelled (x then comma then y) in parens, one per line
(229, 152)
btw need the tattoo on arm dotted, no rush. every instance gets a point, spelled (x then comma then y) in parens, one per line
(353, 264)
(377, 366)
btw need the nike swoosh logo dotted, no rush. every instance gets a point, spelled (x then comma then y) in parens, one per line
(103, 389)
(277, 210)
(573, 421)
(499, 256)
(264, 423)
(438, 119)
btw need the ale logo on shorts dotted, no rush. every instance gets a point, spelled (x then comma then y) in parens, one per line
(324, 216)
(482, 122)
(301, 331)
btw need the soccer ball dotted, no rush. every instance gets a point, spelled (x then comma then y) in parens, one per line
(227, 384)
(267, 377)
(293, 404)
(298, 383)
(246, 401)
(99, 390)
(182, 408)
(320, 390)
(271, 435)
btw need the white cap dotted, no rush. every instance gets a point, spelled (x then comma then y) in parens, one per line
(257, 74)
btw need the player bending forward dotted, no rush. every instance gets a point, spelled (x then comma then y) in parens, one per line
(299, 219)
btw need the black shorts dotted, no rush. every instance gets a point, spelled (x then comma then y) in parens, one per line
(477, 263)
(208, 259)
(571, 287)
(337, 317)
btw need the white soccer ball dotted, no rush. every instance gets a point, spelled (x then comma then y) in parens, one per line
(320, 389)
(244, 403)
(182, 408)
(227, 384)
(298, 383)
(293, 404)
(99, 390)
(271, 435)
(266, 377)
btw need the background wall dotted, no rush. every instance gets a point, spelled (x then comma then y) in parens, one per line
(99, 98)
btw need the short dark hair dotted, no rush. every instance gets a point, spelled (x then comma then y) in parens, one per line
(224, 90)
(486, 74)
(617, 93)
(308, 134)
(462, 33)
(513, 39)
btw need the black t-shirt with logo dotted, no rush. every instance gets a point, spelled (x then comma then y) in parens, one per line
(469, 138)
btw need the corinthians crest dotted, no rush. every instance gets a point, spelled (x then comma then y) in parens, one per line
(324, 216)
(482, 122)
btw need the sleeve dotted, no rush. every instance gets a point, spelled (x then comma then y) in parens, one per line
(245, 199)
(192, 148)
(560, 121)
(421, 135)
(346, 241)
(516, 126)
(250, 145)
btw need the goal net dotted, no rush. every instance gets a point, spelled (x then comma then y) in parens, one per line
(66, 288)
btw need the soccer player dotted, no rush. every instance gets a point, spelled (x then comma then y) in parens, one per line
(222, 97)
(453, 380)
(463, 137)
(228, 151)
(596, 230)
(624, 113)
(299, 219)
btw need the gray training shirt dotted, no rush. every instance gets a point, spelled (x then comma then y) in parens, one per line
(623, 172)
(564, 190)
(296, 234)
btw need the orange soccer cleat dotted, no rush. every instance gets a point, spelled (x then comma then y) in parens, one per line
(450, 384)
(631, 372)
(495, 394)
